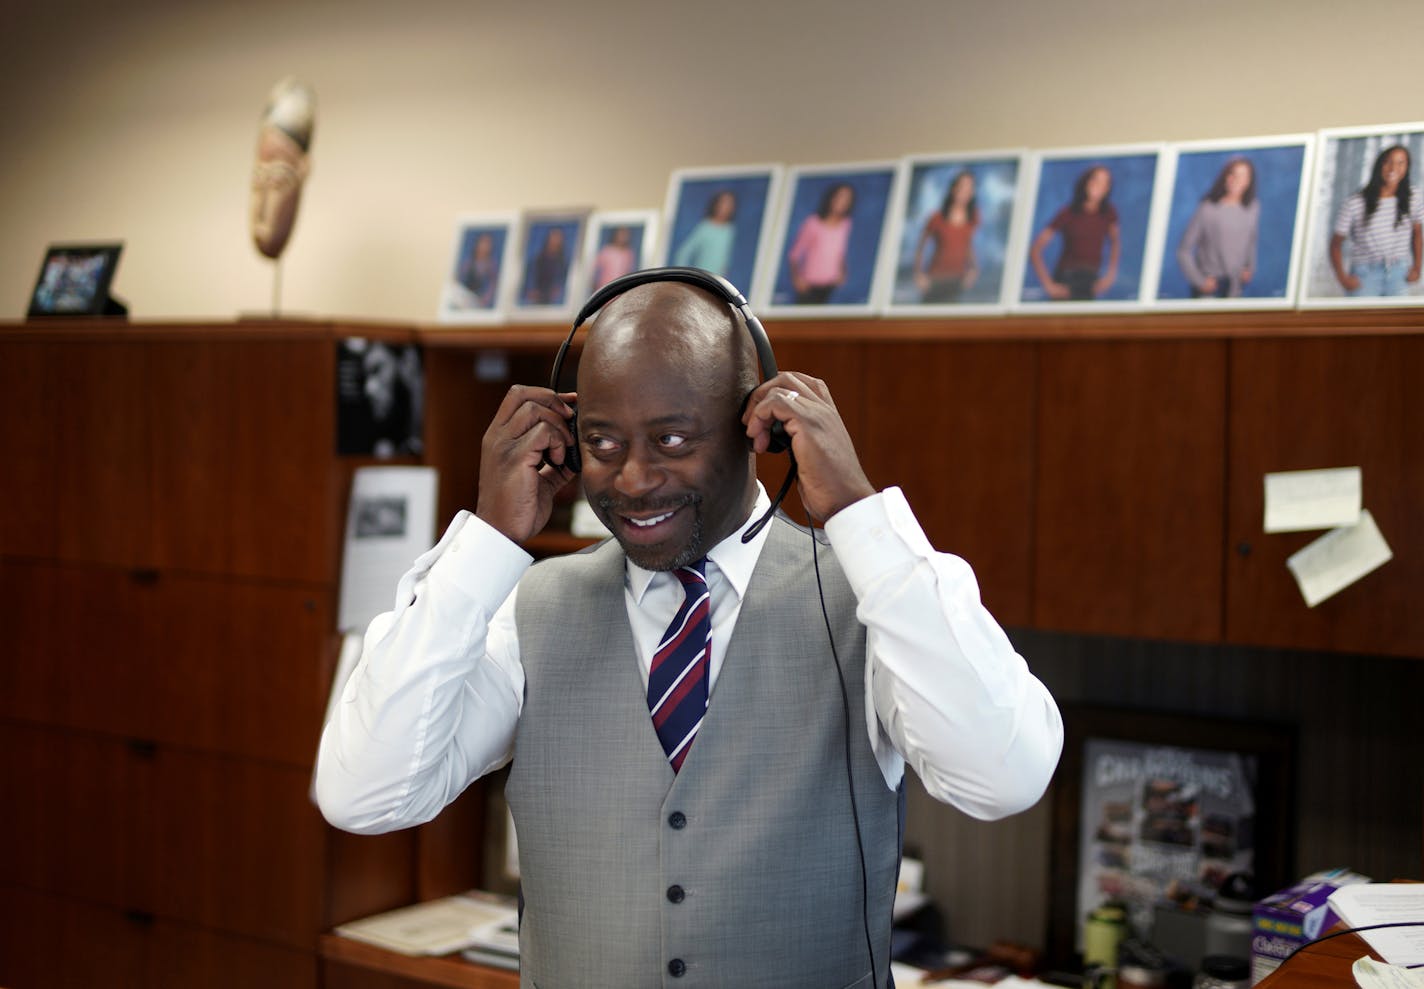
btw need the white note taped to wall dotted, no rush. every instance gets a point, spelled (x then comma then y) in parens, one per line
(1301, 500)
(1338, 559)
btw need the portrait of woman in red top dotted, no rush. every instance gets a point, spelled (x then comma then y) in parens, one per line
(1086, 225)
(948, 239)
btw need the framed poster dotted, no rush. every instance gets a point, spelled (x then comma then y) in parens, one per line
(618, 242)
(1235, 223)
(480, 264)
(1089, 228)
(951, 236)
(827, 241)
(1365, 245)
(551, 245)
(1152, 807)
(720, 219)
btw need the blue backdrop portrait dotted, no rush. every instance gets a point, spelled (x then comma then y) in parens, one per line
(1133, 179)
(1278, 182)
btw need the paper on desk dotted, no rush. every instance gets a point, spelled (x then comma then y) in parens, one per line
(435, 927)
(1300, 500)
(1364, 904)
(1338, 559)
(389, 522)
(1370, 974)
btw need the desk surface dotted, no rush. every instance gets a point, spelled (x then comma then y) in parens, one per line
(450, 971)
(1322, 965)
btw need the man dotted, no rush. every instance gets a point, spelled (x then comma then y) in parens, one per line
(754, 844)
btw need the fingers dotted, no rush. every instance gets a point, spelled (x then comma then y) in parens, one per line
(789, 398)
(529, 422)
(520, 395)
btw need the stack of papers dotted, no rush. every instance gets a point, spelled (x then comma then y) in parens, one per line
(1365, 904)
(436, 927)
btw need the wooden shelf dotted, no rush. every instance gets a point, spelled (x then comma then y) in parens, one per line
(451, 971)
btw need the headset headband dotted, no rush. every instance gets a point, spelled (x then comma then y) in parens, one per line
(715, 284)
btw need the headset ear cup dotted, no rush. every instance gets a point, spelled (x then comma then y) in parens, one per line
(778, 442)
(573, 455)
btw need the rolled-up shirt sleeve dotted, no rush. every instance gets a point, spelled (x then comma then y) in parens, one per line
(433, 703)
(945, 690)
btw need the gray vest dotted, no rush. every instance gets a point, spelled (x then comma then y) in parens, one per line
(742, 869)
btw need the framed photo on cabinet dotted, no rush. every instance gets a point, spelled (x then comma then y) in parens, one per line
(618, 242)
(1235, 223)
(720, 219)
(950, 246)
(829, 233)
(481, 264)
(1089, 228)
(74, 280)
(1365, 241)
(551, 246)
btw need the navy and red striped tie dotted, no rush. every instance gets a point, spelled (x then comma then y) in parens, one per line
(677, 682)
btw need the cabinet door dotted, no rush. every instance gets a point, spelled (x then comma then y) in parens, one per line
(1131, 461)
(244, 458)
(952, 424)
(1340, 402)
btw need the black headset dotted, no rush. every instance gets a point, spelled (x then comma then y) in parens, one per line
(778, 441)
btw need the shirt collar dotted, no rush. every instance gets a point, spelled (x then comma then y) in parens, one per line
(734, 559)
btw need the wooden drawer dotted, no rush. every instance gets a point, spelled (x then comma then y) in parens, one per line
(223, 665)
(213, 841)
(48, 942)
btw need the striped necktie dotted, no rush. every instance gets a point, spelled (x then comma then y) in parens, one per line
(677, 682)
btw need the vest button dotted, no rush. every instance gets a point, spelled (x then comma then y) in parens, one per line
(678, 820)
(677, 968)
(676, 894)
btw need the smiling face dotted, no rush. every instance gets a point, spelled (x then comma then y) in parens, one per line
(666, 463)
(1393, 168)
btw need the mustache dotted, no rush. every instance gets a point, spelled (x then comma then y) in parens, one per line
(633, 506)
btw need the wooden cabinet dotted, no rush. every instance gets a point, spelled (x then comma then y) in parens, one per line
(169, 556)
(168, 576)
(1301, 404)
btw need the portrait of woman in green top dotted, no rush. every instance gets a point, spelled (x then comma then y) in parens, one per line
(709, 245)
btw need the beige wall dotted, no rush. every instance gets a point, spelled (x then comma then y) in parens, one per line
(139, 122)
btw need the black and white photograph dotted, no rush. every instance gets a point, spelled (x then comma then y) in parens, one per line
(380, 398)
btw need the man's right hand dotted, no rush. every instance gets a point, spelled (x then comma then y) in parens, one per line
(516, 486)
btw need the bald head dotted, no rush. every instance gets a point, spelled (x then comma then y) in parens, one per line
(662, 325)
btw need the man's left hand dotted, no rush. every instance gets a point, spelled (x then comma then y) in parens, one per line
(830, 476)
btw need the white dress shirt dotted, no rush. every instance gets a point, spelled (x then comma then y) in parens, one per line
(435, 699)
